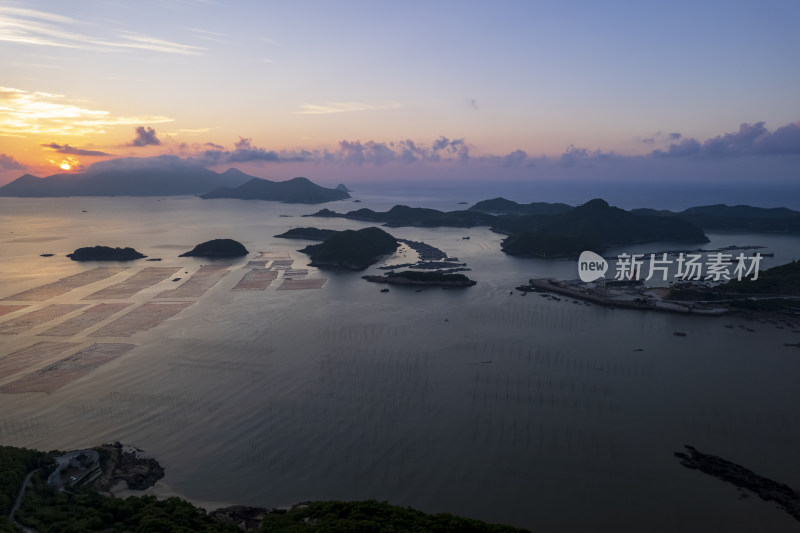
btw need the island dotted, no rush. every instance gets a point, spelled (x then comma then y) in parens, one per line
(217, 248)
(293, 191)
(105, 253)
(540, 229)
(721, 217)
(69, 491)
(417, 279)
(595, 226)
(402, 215)
(503, 206)
(351, 249)
(776, 291)
(309, 234)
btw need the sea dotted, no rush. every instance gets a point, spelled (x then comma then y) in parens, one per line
(552, 415)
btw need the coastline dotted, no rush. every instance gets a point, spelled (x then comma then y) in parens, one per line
(653, 303)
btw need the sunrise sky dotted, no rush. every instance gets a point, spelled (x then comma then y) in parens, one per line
(358, 90)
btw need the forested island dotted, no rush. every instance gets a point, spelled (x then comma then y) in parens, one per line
(543, 230)
(105, 253)
(351, 249)
(217, 249)
(595, 226)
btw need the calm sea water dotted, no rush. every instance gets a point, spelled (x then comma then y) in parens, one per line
(555, 416)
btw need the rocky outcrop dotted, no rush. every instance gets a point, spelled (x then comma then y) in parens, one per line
(768, 490)
(430, 279)
(128, 464)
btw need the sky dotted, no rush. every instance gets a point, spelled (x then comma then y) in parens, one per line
(380, 91)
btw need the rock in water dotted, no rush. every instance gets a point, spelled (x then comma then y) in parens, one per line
(218, 248)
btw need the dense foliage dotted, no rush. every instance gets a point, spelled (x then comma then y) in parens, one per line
(783, 280)
(15, 463)
(85, 510)
(49, 511)
(372, 517)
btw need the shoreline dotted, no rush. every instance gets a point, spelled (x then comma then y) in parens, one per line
(651, 304)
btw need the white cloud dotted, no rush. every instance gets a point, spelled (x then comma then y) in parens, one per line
(344, 107)
(40, 28)
(25, 113)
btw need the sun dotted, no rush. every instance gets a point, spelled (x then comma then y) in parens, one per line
(65, 166)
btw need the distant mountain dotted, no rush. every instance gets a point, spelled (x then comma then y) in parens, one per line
(310, 234)
(503, 206)
(134, 176)
(746, 218)
(351, 249)
(343, 188)
(293, 191)
(594, 226)
(401, 215)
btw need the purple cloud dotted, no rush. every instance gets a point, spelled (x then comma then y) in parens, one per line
(244, 152)
(9, 163)
(750, 139)
(71, 150)
(159, 162)
(685, 148)
(515, 159)
(145, 137)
